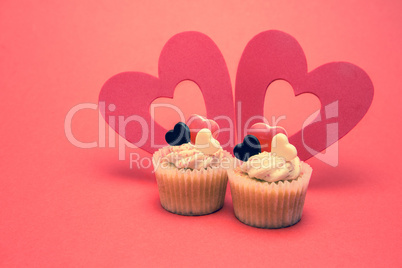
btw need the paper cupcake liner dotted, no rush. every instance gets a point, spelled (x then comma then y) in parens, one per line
(269, 205)
(191, 192)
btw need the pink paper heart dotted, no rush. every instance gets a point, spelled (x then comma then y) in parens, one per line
(186, 56)
(344, 89)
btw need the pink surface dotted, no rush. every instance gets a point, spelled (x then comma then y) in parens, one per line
(67, 206)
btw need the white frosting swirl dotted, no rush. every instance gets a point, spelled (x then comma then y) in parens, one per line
(187, 156)
(269, 167)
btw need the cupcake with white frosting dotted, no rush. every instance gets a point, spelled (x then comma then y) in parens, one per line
(269, 188)
(191, 178)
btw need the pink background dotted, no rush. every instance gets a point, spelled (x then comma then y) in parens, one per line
(65, 206)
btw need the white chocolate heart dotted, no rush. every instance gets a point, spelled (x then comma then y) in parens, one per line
(205, 143)
(281, 147)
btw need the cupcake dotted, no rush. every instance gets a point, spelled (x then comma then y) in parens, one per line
(191, 178)
(268, 187)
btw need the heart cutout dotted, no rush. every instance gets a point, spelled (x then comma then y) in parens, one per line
(283, 108)
(344, 90)
(168, 111)
(186, 56)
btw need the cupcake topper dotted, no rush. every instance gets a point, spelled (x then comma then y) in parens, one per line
(281, 147)
(264, 133)
(179, 135)
(197, 122)
(205, 143)
(250, 146)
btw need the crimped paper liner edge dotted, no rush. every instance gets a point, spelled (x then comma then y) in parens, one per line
(191, 192)
(269, 205)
